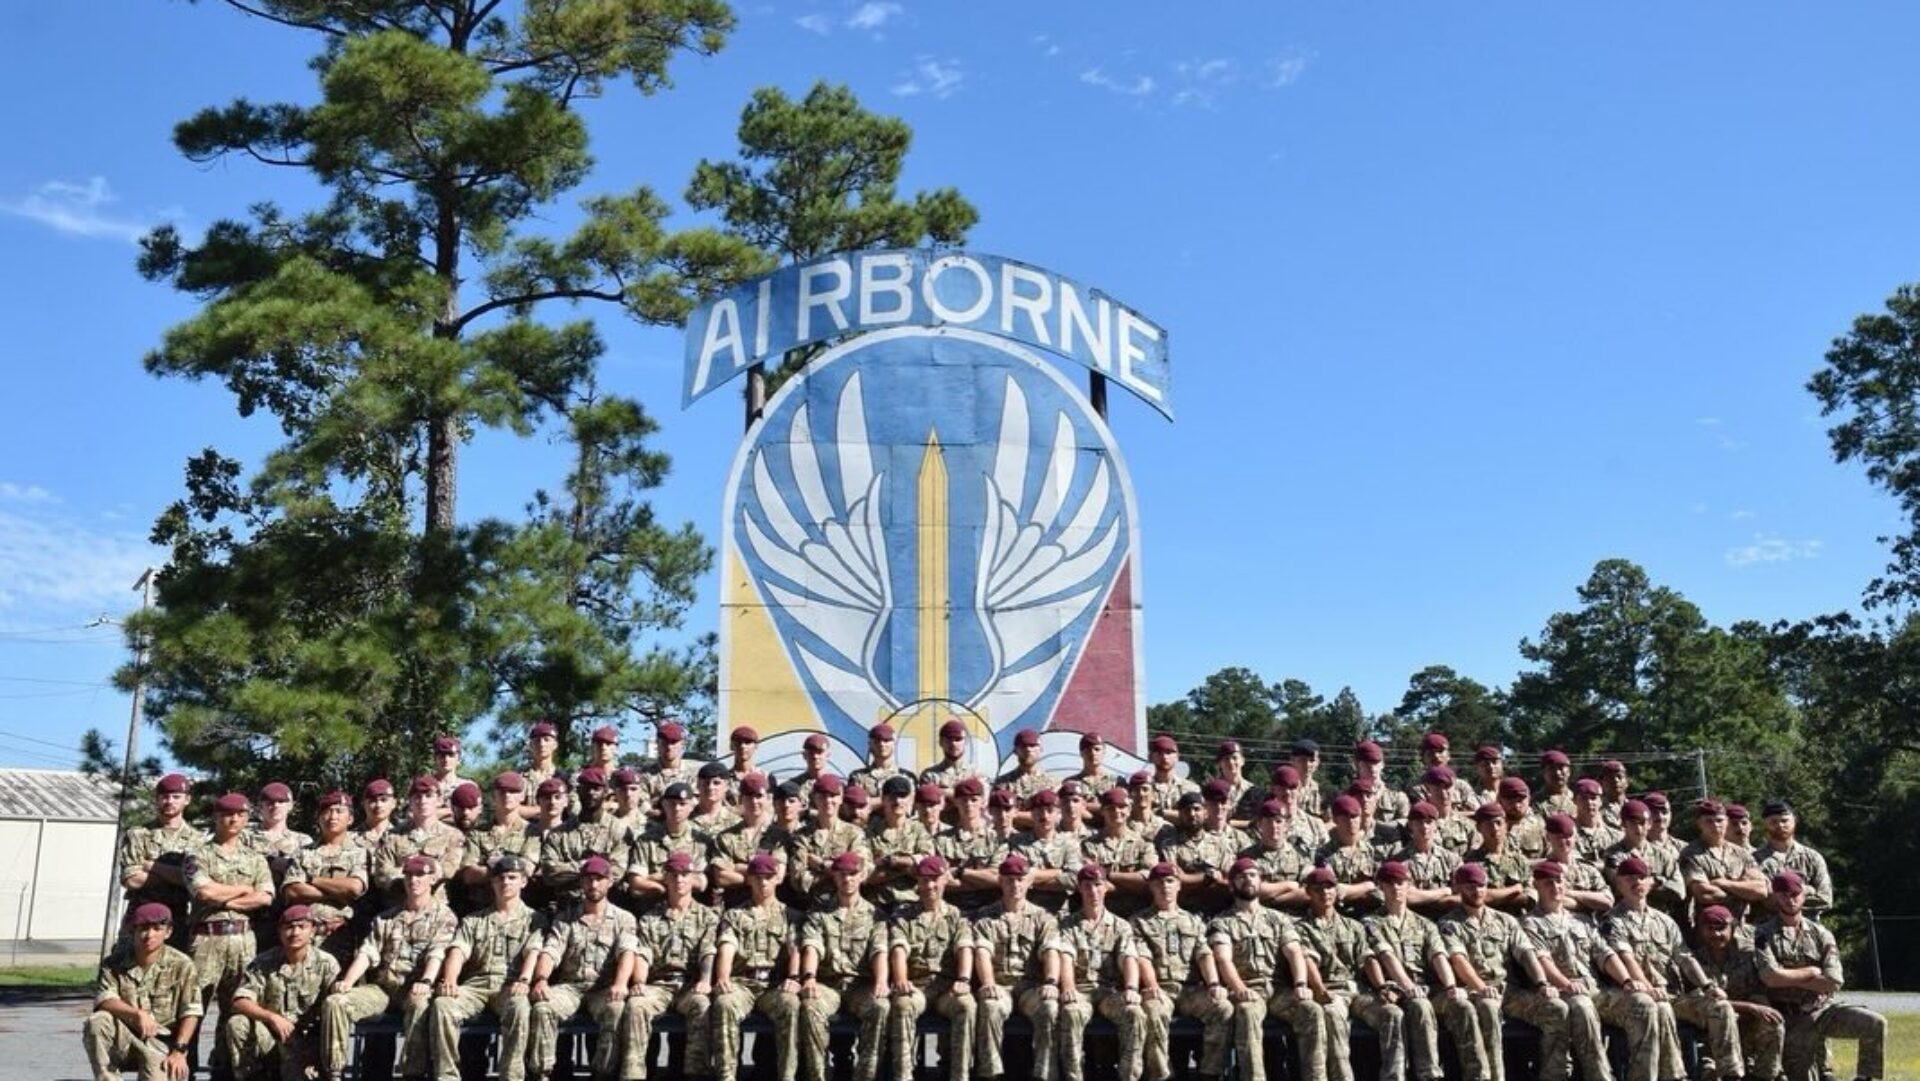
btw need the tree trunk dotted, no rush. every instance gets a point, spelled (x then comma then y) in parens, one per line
(443, 440)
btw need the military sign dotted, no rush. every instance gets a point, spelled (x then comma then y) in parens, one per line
(931, 522)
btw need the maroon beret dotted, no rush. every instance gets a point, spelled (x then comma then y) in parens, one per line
(953, 730)
(1322, 876)
(231, 803)
(1788, 882)
(1014, 865)
(1393, 871)
(467, 795)
(763, 865)
(1115, 797)
(1708, 808)
(1586, 786)
(1555, 758)
(1161, 870)
(1242, 864)
(930, 795)
(152, 914)
(1434, 741)
(335, 798)
(1271, 808)
(930, 867)
(969, 788)
(1633, 811)
(1632, 865)
(596, 867)
(1227, 749)
(1163, 743)
(543, 728)
(1046, 797)
(296, 914)
(1613, 766)
(1091, 872)
(510, 781)
(379, 786)
(607, 733)
(626, 776)
(671, 732)
(880, 732)
(419, 864)
(1656, 801)
(1091, 739)
(550, 787)
(743, 734)
(591, 777)
(856, 796)
(815, 742)
(1026, 737)
(1514, 788)
(678, 863)
(1487, 753)
(423, 786)
(446, 745)
(173, 784)
(1001, 799)
(1216, 791)
(1716, 916)
(1368, 751)
(1422, 811)
(1139, 779)
(1489, 812)
(1286, 777)
(1470, 874)
(754, 784)
(1562, 825)
(1345, 807)
(846, 863)
(830, 784)
(1549, 870)
(275, 791)
(1438, 777)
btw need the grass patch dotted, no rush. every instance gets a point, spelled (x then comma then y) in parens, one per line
(1903, 1050)
(63, 977)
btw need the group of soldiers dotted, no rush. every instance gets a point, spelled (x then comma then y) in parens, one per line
(716, 892)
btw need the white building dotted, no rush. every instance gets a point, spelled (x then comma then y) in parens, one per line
(56, 854)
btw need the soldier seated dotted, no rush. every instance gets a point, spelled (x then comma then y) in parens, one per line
(146, 1004)
(399, 958)
(1799, 963)
(584, 965)
(276, 1009)
(489, 967)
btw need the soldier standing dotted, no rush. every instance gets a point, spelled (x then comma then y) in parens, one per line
(1177, 976)
(273, 838)
(1595, 835)
(1413, 957)
(844, 961)
(1509, 875)
(510, 835)
(377, 805)
(674, 834)
(1489, 769)
(898, 841)
(745, 742)
(628, 814)
(755, 968)
(1484, 943)
(1168, 786)
(1369, 765)
(732, 850)
(276, 1008)
(1098, 971)
(543, 744)
(1335, 947)
(932, 964)
(1429, 867)
(1581, 883)
(1799, 962)
(1201, 855)
(1730, 965)
(1669, 891)
(1436, 752)
(229, 884)
(1660, 823)
(1784, 852)
(426, 836)
(1526, 831)
(811, 849)
(146, 1002)
(592, 833)
(1572, 955)
(713, 799)
(1053, 856)
(1304, 757)
(880, 767)
(669, 766)
(1026, 777)
(1613, 791)
(489, 966)
(1348, 856)
(952, 767)
(1718, 871)
(968, 845)
(1662, 971)
(153, 858)
(673, 965)
(603, 749)
(1230, 765)
(1014, 970)
(584, 963)
(1282, 864)
(329, 876)
(1093, 774)
(399, 958)
(1556, 775)
(1253, 946)
(1125, 854)
(813, 752)
(1453, 829)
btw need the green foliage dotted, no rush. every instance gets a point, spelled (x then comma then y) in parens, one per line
(1439, 699)
(326, 613)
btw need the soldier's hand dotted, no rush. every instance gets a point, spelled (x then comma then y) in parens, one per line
(340, 987)
(538, 992)
(1456, 994)
(445, 988)
(790, 986)
(1133, 997)
(281, 1028)
(703, 987)
(1069, 993)
(1549, 992)
(177, 1065)
(149, 1028)
(419, 989)
(617, 993)
(1717, 993)
(1770, 1015)
(992, 993)
(1243, 994)
(1218, 992)
(1303, 993)
(517, 989)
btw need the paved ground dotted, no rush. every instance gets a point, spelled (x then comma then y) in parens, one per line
(84, 951)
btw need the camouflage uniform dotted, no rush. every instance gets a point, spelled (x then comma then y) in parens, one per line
(585, 954)
(1812, 1018)
(294, 991)
(279, 849)
(966, 850)
(677, 951)
(1669, 893)
(909, 839)
(563, 849)
(1560, 802)
(342, 859)
(492, 945)
(1698, 863)
(947, 774)
(1282, 863)
(1760, 1040)
(931, 941)
(1172, 943)
(1528, 836)
(1490, 943)
(1201, 850)
(397, 952)
(1092, 951)
(1257, 940)
(169, 989)
(872, 777)
(761, 939)
(435, 840)
(1059, 852)
(1591, 844)
(223, 940)
(1338, 945)
(1094, 781)
(821, 842)
(847, 940)
(1653, 939)
(1127, 852)
(655, 844)
(1810, 865)
(516, 838)
(1015, 943)
(655, 779)
(738, 843)
(715, 819)
(1416, 941)
(1309, 802)
(145, 844)
(1455, 834)
(1166, 794)
(1581, 954)
(1024, 784)
(1351, 864)
(1505, 869)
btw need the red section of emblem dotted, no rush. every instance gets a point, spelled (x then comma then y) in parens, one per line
(1100, 696)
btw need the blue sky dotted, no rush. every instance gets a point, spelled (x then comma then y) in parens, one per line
(1462, 298)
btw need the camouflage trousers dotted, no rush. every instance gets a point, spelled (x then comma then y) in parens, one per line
(253, 1048)
(731, 1007)
(1653, 1043)
(339, 1013)
(1807, 1032)
(1722, 1058)
(219, 961)
(1216, 1029)
(903, 1022)
(1303, 1017)
(1761, 1042)
(645, 1005)
(610, 1045)
(468, 1000)
(1036, 1007)
(1388, 1020)
(1552, 1017)
(816, 1014)
(1112, 1005)
(1420, 1021)
(113, 1048)
(1474, 1024)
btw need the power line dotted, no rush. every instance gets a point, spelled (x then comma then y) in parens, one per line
(55, 682)
(32, 739)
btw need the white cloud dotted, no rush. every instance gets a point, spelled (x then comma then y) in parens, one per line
(874, 14)
(78, 210)
(24, 493)
(1766, 549)
(1046, 45)
(1137, 87)
(1286, 68)
(815, 23)
(1741, 515)
(932, 76)
(49, 564)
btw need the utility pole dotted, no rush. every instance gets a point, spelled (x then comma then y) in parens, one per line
(1700, 770)
(145, 586)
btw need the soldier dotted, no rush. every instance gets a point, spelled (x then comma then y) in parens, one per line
(953, 766)
(152, 858)
(1526, 831)
(1718, 871)
(146, 1001)
(1282, 863)
(1335, 947)
(811, 850)
(813, 752)
(1304, 757)
(1437, 752)
(1660, 823)
(673, 966)
(713, 803)
(1125, 854)
(674, 833)
(1098, 971)
(1201, 855)
(856, 806)
(844, 962)
(730, 851)
(932, 963)
(543, 744)
(968, 846)
(628, 814)
(1229, 765)
(1453, 828)
(1595, 835)
(1168, 786)
(669, 766)
(1784, 852)
(745, 741)
(1429, 868)
(1729, 964)
(1582, 885)
(1177, 976)
(1572, 955)
(1014, 970)
(510, 835)
(1739, 826)
(1667, 977)
(489, 966)
(1489, 769)
(1613, 791)
(377, 805)
(756, 968)
(229, 884)
(1369, 764)
(330, 876)
(603, 750)
(880, 765)
(550, 801)
(1509, 874)
(1418, 977)
(584, 963)
(1001, 810)
(1799, 963)
(400, 958)
(1252, 946)
(1347, 855)
(1093, 776)
(1054, 857)
(790, 812)
(446, 770)
(929, 806)
(1026, 777)
(273, 838)
(1669, 892)
(276, 1009)
(464, 807)
(1078, 817)
(426, 836)
(1484, 943)
(897, 840)
(1556, 791)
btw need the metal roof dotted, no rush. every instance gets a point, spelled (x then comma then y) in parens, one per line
(54, 793)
